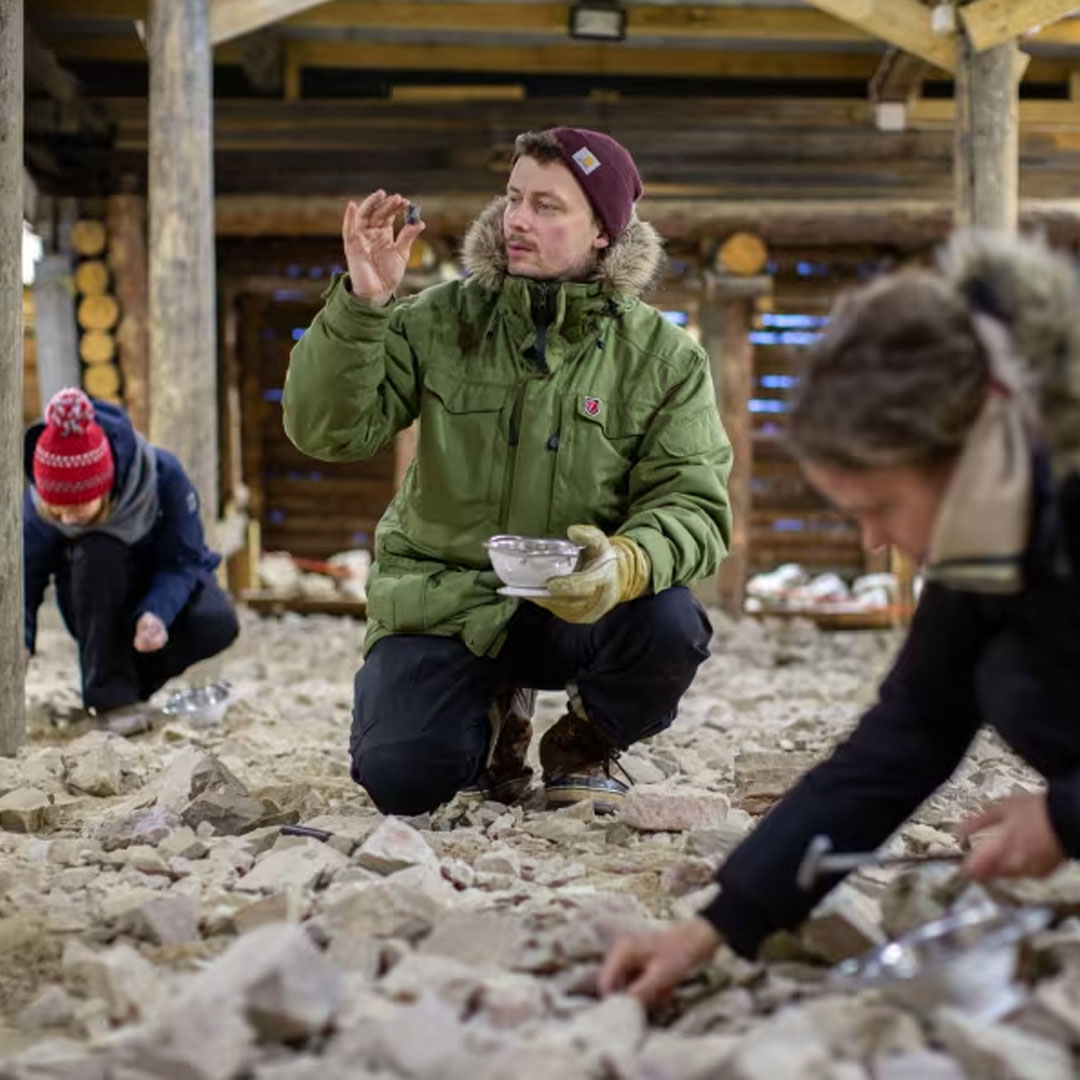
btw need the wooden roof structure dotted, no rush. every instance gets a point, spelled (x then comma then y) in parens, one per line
(799, 120)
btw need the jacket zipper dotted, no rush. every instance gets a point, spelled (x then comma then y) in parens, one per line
(541, 314)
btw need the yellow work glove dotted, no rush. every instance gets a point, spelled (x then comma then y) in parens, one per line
(612, 571)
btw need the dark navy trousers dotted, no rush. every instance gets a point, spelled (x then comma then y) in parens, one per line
(98, 590)
(420, 727)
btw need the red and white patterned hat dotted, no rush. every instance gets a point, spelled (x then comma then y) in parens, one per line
(73, 462)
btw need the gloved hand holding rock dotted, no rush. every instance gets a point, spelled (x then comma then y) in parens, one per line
(613, 570)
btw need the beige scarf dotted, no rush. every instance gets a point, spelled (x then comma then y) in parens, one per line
(981, 532)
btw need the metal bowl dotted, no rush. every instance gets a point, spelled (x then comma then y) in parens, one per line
(966, 960)
(202, 706)
(528, 562)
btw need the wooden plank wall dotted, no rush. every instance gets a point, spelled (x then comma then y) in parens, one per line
(306, 507)
(269, 293)
(790, 521)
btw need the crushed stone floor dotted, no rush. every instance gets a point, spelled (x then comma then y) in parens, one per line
(154, 923)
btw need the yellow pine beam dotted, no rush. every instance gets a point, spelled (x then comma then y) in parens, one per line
(232, 18)
(507, 16)
(994, 22)
(903, 23)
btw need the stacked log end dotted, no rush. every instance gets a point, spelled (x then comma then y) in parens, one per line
(97, 312)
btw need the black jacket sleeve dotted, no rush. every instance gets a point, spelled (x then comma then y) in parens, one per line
(905, 747)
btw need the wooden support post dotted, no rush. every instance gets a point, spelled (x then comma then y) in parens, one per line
(183, 351)
(987, 141)
(726, 314)
(54, 325)
(12, 666)
(125, 219)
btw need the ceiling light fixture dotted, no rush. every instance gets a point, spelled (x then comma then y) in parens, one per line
(598, 21)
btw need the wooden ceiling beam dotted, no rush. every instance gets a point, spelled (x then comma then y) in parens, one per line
(586, 58)
(793, 24)
(910, 223)
(511, 17)
(232, 18)
(903, 23)
(994, 22)
(643, 20)
(899, 77)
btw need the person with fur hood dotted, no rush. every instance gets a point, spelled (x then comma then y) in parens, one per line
(114, 522)
(552, 401)
(942, 410)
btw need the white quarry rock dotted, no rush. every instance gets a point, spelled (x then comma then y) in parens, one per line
(93, 765)
(184, 844)
(394, 846)
(25, 810)
(994, 1051)
(477, 938)
(717, 841)
(146, 860)
(56, 1059)
(787, 1045)
(667, 1056)
(673, 809)
(686, 876)
(52, 1007)
(845, 924)
(128, 984)
(501, 860)
(285, 987)
(165, 920)
(198, 1040)
(451, 981)
(864, 1026)
(918, 1065)
(298, 867)
(149, 825)
(422, 1040)
(349, 912)
(289, 906)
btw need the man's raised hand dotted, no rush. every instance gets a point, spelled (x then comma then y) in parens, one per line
(375, 257)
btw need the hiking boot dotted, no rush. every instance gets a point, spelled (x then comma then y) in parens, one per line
(576, 756)
(506, 777)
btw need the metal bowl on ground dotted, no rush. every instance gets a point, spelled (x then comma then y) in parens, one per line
(529, 562)
(203, 706)
(965, 960)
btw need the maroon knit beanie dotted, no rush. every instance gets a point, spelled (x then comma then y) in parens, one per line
(606, 172)
(73, 462)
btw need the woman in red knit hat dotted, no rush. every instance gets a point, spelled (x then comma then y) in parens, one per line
(115, 523)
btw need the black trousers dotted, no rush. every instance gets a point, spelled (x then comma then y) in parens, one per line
(420, 728)
(98, 590)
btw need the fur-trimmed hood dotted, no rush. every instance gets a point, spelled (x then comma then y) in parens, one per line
(1035, 293)
(628, 267)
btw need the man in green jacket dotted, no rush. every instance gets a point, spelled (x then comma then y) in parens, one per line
(551, 401)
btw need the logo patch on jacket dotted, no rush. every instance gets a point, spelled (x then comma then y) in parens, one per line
(592, 406)
(586, 160)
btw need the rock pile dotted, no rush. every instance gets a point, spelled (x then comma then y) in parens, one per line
(155, 923)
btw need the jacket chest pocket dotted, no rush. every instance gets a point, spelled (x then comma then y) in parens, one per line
(460, 442)
(599, 444)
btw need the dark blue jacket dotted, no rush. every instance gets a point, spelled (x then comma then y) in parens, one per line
(173, 557)
(1012, 662)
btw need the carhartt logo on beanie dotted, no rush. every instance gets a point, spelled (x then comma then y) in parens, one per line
(73, 462)
(606, 172)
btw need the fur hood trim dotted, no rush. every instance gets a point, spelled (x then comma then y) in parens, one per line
(628, 267)
(1035, 294)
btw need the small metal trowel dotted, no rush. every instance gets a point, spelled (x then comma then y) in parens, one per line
(820, 859)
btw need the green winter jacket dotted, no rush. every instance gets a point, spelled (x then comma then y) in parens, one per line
(541, 405)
